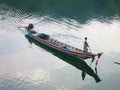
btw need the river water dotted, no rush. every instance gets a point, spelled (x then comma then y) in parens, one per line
(26, 66)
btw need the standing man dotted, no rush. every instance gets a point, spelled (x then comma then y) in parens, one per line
(86, 45)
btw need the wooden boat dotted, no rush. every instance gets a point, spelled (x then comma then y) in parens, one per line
(69, 54)
(76, 62)
(59, 47)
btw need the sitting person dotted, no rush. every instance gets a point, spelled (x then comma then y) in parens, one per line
(29, 28)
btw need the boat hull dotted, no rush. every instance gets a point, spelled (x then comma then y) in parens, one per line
(76, 53)
(52, 49)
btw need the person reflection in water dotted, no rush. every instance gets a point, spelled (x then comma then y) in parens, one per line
(83, 74)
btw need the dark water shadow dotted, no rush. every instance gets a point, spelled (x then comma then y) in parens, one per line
(80, 10)
(76, 62)
(117, 63)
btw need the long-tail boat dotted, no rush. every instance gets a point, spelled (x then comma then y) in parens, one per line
(60, 47)
(73, 60)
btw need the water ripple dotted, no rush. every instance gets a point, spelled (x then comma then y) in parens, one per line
(25, 80)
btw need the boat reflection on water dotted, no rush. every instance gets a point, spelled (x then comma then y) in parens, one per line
(79, 64)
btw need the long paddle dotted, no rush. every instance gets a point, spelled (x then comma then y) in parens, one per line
(90, 49)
